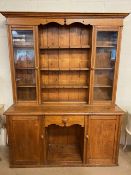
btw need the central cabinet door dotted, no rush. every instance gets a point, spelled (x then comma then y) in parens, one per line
(25, 139)
(102, 134)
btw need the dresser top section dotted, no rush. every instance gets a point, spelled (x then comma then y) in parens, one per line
(38, 18)
(61, 14)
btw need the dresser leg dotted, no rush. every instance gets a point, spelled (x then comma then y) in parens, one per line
(125, 144)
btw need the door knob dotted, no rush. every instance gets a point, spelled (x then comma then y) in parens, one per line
(87, 137)
(42, 136)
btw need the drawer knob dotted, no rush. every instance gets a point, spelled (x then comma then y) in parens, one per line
(42, 137)
(64, 121)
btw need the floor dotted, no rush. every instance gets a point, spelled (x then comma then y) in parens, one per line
(124, 167)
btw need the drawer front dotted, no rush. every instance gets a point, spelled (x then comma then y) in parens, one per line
(64, 120)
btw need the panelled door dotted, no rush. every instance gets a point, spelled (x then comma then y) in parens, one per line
(25, 140)
(102, 143)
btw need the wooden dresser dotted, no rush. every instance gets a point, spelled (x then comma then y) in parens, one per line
(64, 69)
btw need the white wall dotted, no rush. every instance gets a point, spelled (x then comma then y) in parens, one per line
(124, 81)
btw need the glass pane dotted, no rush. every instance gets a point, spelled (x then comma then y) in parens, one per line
(25, 77)
(102, 93)
(106, 38)
(105, 57)
(26, 93)
(24, 61)
(24, 58)
(103, 77)
(106, 47)
(22, 37)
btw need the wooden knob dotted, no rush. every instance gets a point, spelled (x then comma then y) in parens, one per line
(87, 137)
(42, 136)
(64, 120)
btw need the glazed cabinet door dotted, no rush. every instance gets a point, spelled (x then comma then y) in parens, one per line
(102, 140)
(105, 65)
(23, 64)
(25, 140)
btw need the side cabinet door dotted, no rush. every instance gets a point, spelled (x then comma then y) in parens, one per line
(25, 140)
(103, 140)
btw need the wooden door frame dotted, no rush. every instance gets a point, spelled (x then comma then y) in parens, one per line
(12, 66)
(105, 28)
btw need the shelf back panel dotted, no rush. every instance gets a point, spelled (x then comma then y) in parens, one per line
(65, 48)
(64, 95)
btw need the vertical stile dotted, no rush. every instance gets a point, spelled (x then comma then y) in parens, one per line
(11, 57)
(92, 64)
(116, 65)
(37, 63)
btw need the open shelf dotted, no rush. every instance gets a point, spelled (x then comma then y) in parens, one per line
(64, 86)
(65, 59)
(67, 149)
(64, 153)
(70, 69)
(70, 47)
(64, 69)
(79, 95)
(65, 62)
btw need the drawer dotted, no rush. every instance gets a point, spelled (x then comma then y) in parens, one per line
(64, 120)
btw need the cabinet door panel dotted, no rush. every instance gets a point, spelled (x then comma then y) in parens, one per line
(102, 140)
(25, 140)
(24, 67)
(106, 58)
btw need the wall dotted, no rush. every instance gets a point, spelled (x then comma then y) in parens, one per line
(124, 84)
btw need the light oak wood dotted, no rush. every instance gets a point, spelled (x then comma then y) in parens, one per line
(23, 150)
(64, 120)
(64, 110)
(102, 138)
(64, 69)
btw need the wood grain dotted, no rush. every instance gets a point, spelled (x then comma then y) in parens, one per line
(64, 80)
